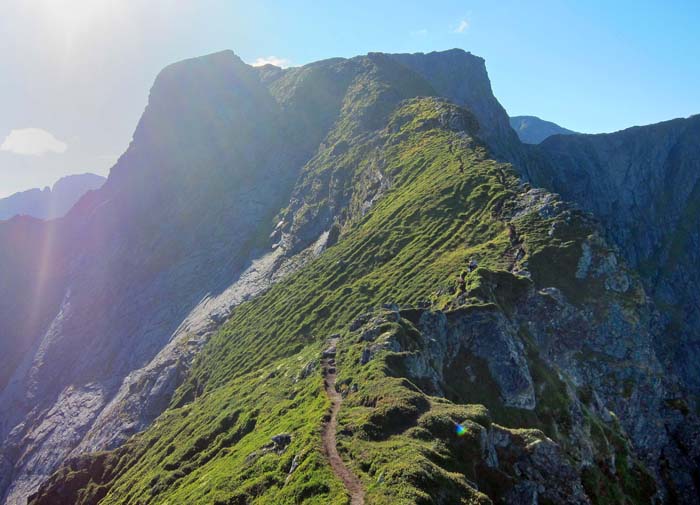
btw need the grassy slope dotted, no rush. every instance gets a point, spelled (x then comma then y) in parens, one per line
(212, 446)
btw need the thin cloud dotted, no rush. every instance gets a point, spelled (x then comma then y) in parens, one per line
(462, 26)
(272, 60)
(419, 33)
(32, 142)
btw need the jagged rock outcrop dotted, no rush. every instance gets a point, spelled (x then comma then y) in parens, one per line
(603, 351)
(488, 336)
(643, 184)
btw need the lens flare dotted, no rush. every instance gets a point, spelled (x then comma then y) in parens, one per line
(461, 430)
(73, 24)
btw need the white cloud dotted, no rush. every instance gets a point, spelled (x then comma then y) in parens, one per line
(419, 33)
(272, 60)
(462, 26)
(32, 142)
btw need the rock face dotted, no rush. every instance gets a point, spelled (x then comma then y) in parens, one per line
(533, 130)
(50, 203)
(643, 184)
(486, 335)
(462, 79)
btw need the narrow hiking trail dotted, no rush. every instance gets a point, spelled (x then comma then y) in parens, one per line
(330, 448)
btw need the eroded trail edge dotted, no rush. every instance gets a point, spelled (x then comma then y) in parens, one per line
(330, 448)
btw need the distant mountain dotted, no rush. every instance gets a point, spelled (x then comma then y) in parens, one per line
(49, 203)
(533, 130)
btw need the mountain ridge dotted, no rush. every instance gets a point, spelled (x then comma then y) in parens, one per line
(372, 343)
(138, 183)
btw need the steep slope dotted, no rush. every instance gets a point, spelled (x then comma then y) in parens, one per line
(146, 392)
(26, 277)
(533, 130)
(50, 203)
(176, 221)
(532, 378)
(643, 184)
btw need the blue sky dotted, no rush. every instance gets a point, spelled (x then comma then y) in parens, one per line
(79, 70)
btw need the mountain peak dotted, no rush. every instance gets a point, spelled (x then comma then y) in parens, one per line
(226, 56)
(533, 130)
(462, 78)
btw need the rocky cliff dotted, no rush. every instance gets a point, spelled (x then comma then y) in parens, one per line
(643, 184)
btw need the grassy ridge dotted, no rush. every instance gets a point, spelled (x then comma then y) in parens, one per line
(259, 376)
(417, 237)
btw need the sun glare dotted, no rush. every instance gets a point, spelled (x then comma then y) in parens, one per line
(73, 20)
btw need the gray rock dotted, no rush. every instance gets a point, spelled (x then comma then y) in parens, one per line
(294, 465)
(366, 356)
(642, 183)
(281, 440)
(486, 335)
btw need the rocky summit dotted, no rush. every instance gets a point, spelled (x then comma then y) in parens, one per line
(351, 282)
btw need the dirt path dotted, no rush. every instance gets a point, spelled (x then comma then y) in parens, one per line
(330, 448)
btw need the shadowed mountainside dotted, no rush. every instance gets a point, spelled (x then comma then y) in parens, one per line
(644, 185)
(109, 284)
